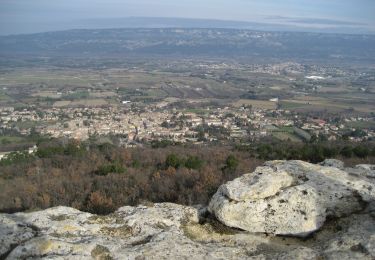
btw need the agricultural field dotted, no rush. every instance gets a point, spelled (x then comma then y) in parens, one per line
(81, 102)
(262, 104)
(11, 139)
(314, 103)
(284, 136)
(156, 81)
(49, 77)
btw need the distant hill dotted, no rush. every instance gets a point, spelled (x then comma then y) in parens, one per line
(171, 42)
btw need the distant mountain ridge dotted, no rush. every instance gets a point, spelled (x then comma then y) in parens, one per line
(275, 23)
(268, 24)
(187, 42)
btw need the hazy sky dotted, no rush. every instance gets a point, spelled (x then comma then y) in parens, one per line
(24, 16)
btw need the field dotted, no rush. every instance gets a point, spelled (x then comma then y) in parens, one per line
(47, 94)
(49, 77)
(81, 102)
(284, 136)
(314, 103)
(262, 104)
(154, 83)
(10, 139)
(4, 97)
(103, 94)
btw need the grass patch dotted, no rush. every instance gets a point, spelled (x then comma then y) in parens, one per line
(11, 139)
(284, 136)
(290, 105)
(4, 97)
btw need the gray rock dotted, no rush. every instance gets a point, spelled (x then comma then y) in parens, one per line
(170, 231)
(333, 163)
(290, 198)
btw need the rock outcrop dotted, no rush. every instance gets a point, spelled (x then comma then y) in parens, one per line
(170, 231)
(293, 197)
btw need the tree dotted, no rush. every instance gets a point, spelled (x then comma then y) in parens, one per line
(193, 162)
(358, 133)
(110, 168)
(173, 160)
(347, 151)
(361, 151)
(231, 163)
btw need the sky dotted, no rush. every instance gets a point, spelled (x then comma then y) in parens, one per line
(29, 16)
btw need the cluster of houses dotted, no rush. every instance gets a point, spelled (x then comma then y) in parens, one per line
(160, 123)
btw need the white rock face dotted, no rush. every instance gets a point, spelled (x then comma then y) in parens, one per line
(292, 197)
(170, 231)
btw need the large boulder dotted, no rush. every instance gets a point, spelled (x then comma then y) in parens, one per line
(293, 197)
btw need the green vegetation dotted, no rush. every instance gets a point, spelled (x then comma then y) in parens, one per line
(77, 95)
(191, 162)
(285, 136)
(110, 168)
(71, 149)
(311, 152)
(4, 97)
(173, 161)
(162, 143)
(11, 139)
(16, 158)
(231, 164)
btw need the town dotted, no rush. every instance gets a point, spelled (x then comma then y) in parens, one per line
(137, 125)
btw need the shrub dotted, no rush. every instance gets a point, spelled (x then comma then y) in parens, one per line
(361, 151)
(193, 162)
(110, 168)
(173, 160)
(99, 203)
(231, 163)
(347, 151)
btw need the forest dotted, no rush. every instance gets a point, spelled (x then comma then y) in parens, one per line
(100, 178)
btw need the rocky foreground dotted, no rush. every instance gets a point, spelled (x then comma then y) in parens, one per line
(283, 210)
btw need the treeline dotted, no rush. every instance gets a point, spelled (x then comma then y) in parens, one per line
(99, 178)
(311, 152)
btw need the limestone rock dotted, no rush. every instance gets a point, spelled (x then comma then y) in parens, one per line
(291, 197)
(170, 231)
(333, 163)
